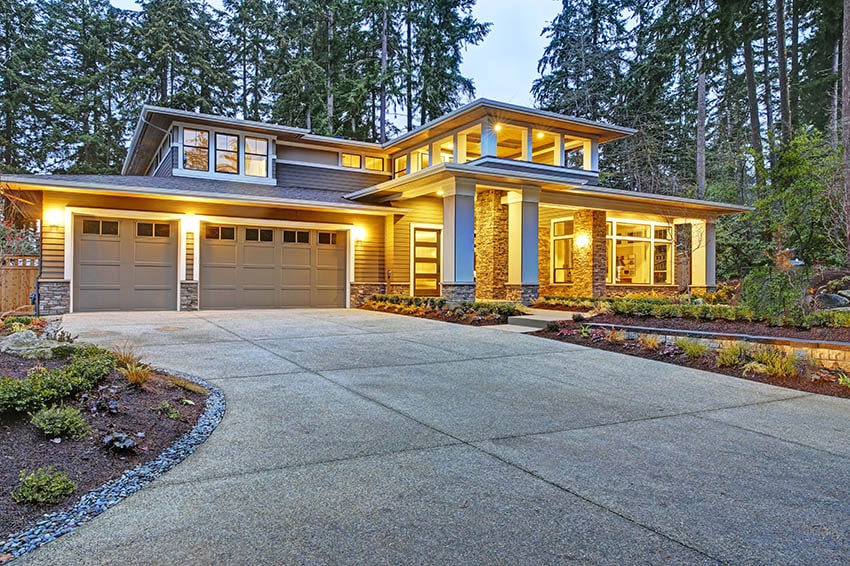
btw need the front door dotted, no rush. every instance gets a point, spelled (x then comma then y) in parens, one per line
(426, 262)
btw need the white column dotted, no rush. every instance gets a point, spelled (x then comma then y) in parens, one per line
(522, 236)
(559, 150)
(526, 145)
(591, 155)
(460, 148)
(702, 253)
(710, 254)
(459, 232)
(489, 140)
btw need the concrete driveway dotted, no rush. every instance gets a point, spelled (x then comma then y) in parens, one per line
(365, 438)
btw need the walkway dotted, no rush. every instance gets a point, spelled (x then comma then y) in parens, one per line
(357, 437)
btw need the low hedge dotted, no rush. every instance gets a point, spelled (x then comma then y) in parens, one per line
(42, 386)
(439, 303)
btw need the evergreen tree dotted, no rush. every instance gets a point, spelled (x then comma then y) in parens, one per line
(250, 26)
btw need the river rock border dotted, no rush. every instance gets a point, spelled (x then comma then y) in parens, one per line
(96, 501)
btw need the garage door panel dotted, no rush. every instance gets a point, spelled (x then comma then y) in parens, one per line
(258, 255)
(218, 298)
(297, 257)
(296, 298)
(296, 277)
(123, 271)
(258, 298)
(224, 253)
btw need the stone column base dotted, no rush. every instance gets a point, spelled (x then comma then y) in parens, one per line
(525, 294)
(54, 297)
(360, 292)
(458, 292)
(402, 289)
(188, 295)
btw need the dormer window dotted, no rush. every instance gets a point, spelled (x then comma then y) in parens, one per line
(351, 160)
(256, 156)
(227, 153)
(374, 163)
(196, 149)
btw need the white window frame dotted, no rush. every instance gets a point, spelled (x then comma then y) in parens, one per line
(211, 173)
(652, 240)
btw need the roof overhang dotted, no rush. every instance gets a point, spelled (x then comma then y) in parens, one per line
(65, 186)
(503, 111)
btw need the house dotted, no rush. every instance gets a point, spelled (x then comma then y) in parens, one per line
(490, 201)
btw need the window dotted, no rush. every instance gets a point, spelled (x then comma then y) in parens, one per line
(196, 149)
(640, 253)
(220, 232)
(562, 252)
(259, 235)
(296, 237)
(226, 153)
(374, 163)
(327, 238)
(101, 227)
(256, 157)
(153, 230)
(400, 166)
(352, 160)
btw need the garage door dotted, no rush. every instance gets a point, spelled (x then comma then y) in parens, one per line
(124, 264)
(265, 267)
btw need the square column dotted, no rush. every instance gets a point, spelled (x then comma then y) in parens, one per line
(590, 253)
(703, 255)
(590, 149)
(523, 282)
(459, 241)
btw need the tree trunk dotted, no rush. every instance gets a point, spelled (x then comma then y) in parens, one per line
(845, 123)
(383, 137)
(834, 126)
(409, 68)
(329, 78)
(755, 126)
(781, 61)
(794, 79)
(701, 115)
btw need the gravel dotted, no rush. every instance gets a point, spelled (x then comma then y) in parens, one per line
(97, 501)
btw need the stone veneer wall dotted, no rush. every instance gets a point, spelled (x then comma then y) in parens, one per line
(458, 293)
(360, 292)
(398, 289)
(189, 295)
(525, 294)
(54, 297)
(491, 245)
(589, 262)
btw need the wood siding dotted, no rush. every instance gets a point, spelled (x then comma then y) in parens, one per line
(345, 181)
(425, 210)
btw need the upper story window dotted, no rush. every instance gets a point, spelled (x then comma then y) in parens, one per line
(400, 166)
(351, 160)
(196, 149)
(256, 156)
(226, 153)
(374, 163)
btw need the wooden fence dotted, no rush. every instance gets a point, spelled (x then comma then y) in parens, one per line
(17, 280)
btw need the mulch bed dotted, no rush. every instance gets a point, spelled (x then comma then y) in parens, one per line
(471, 319)
(725, 327)
(23, 446)
(819, 381)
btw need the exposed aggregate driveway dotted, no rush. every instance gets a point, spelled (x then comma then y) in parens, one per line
(356, 437)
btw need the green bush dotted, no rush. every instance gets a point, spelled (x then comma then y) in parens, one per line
(732, 355)
(775, 295)
(67, 422)
(43, 486)
(432, 302)
(504, 309)
(11, 320)
(691, 347)
(42, 386)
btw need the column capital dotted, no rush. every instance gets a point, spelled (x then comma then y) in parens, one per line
(458, 187)
(526, 193)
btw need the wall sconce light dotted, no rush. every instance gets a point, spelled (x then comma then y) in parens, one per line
(582, 240)
(54, 217)
(497, 128)
(440, 193)
(358, 233)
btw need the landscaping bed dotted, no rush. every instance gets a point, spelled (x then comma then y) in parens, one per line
(151, 415)
(753, 362)
(435, 308)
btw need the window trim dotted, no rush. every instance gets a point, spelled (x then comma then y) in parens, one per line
(568, 238)
(247, 153)
(210, 173)
(184, 145)
(651, 240)
(236, 152)
(344, 154)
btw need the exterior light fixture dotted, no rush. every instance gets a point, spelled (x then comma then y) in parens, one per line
(582, 240)
(497, 128)
(440, 193)
(540, 135)
(190, 223)
(358, 233)
(54, 217)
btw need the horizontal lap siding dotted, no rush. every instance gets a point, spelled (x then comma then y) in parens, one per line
(306, 177)
(423, 211)
(53, 252)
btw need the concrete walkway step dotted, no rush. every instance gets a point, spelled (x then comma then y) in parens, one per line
(539, 318)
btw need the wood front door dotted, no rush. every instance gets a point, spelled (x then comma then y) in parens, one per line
(426, 262)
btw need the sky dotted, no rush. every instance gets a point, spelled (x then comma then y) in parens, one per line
(504, 65)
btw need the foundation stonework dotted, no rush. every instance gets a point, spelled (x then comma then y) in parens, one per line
(54, 297)
(525, 294)
(360, 292)
(491, 245)
(398, 289)
(188, 295)
(457, 292)
(589, 260)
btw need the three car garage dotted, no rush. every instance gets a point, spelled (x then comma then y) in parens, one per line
(132, 264)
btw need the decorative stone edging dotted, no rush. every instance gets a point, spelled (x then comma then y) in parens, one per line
(98, 500)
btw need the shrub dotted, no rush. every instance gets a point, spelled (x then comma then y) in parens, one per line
(23, 320)
(125, 354)
(118, 441)
(137, 374)
(774, 294)
(843, 379)
(67, 422)
(502, 309)
(649, 341)
(733, 354)
(614, 335)
(43, 486)
(776, 363)
(169, 411)
(691, 347)
(42, 386)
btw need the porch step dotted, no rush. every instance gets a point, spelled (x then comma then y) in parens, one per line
(539, 318)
